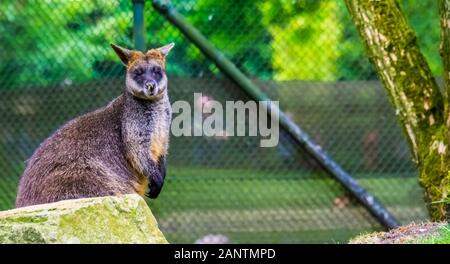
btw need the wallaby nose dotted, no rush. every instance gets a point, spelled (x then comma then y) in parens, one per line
(150, 85)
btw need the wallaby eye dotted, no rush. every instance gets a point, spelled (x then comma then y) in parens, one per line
(156, 70)
(139, 71)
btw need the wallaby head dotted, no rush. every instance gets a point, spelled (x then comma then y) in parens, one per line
(146, 76)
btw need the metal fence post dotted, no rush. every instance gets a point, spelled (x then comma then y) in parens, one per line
(138, 25)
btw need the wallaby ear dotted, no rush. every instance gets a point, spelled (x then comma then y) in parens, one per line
(166, 49)
(123, 53)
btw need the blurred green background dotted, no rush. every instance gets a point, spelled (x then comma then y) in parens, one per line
(56, 63)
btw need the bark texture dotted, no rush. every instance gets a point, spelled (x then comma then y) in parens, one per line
(393, 49)
(444, 9)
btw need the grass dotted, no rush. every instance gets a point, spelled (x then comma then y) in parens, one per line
(267, 206)
(286, 207)
(442, 236)
(415, 233)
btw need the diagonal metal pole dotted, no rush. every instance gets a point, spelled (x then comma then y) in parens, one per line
(302, 138)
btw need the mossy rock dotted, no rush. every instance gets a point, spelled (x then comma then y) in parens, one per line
(110, 220)
(425, 233)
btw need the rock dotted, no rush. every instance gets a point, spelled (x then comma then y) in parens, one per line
(425, 233)
(112, 219)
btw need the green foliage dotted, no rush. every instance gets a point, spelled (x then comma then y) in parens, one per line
(305, 38)
(237, 32)
(47, 42)
(61, 42)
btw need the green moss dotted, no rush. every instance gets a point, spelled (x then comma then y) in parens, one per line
(29, 219)
(124, 219)
(434, 176)
(31, 235)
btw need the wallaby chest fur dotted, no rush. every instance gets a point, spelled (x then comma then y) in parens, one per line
(118, 149)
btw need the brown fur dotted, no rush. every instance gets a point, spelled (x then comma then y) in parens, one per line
(141, 186)
(118, 149)
(158, 145)
(79, 161)
(153, 54)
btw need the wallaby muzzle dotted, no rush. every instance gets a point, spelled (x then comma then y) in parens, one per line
(150, 86)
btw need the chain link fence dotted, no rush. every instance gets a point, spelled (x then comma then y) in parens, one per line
(56, 64)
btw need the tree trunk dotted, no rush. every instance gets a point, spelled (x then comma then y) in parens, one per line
(392, 47)
(444, 9)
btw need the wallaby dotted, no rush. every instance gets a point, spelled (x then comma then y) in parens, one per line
(118, 149)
